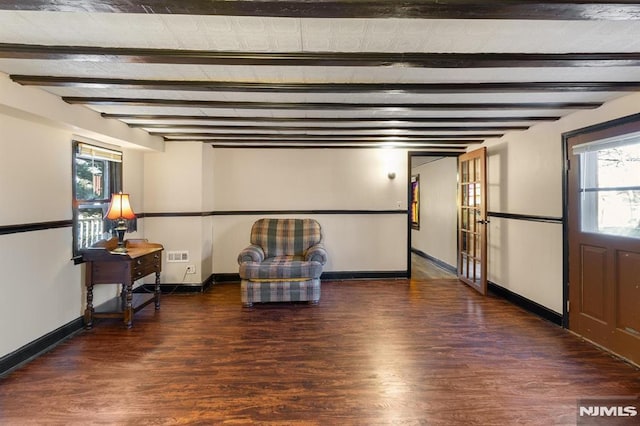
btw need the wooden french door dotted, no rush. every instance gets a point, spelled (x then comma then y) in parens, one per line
(603, 225)
(472, 220)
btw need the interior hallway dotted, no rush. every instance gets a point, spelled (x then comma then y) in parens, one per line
(425, 269)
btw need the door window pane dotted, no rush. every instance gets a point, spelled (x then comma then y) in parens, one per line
(465, 194)
(465, 218)
(465, 172)
(610, 190)
(477, 177)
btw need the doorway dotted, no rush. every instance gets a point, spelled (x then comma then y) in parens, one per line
(433, 236)
(602, 234)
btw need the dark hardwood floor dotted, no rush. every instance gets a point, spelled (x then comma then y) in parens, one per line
(429, 352)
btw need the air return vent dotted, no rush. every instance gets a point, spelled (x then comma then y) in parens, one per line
(178, 256)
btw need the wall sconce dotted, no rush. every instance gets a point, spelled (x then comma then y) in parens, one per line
(120, 210)
(391, 175)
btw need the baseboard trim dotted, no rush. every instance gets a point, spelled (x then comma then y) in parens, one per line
(206, 284)
(169, 288)
(32, 350)
(226, 278)
(438, 262)
(526, 304)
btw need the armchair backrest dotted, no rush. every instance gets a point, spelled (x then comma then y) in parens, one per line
(285, 237)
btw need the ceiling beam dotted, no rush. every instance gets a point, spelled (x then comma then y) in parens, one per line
(444, 139)
(424, 149)
(463, 145)
(195, 103)
(326, 59)
(425, 9)
(182, 127)
(156, 118)
(382, 88)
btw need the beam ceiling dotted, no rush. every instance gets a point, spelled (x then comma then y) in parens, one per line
(390, 88)
(164, 118)
(423, 9)
(298, 106)
(325, 59)
(274, 83)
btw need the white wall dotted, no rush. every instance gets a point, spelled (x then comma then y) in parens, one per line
(437, 235)
(35, 186)
(39, 106)
(308, 179)
(526, 258)
(315, 179)
(179, 180)
(525, 177)
(191, 177)
(358, 242)
(41, 288)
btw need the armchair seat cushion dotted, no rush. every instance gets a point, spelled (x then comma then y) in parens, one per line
(279, 268)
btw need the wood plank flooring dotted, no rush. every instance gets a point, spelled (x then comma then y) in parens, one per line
(425, 269)
(407, 352)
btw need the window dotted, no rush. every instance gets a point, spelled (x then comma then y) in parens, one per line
(97, 173)
(610, 186)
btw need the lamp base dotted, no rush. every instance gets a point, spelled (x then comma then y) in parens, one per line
(120, 230)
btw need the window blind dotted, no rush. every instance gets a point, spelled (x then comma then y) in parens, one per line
(98, 153)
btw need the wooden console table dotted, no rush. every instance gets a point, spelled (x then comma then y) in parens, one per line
(104, 267)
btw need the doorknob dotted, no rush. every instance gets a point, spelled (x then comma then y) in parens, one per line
(484, 222)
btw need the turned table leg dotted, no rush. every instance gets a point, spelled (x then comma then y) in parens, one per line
(88, 311)
(128, 307)
(157, 291)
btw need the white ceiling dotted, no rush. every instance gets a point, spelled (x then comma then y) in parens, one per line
(270, 34)
(295, 35)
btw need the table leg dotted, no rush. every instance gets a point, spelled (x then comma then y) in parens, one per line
(157, 291)
(128, 307)
(88, 311)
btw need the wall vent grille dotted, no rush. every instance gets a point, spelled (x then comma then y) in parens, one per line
(178, 256)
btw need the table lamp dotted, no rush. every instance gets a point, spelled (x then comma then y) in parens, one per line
(120, 210)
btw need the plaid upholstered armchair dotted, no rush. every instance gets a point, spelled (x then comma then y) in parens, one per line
(283, 262)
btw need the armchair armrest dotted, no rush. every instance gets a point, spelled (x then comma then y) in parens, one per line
(253, 253)
(316, 253)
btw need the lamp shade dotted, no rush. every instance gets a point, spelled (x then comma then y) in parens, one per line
(120, 208)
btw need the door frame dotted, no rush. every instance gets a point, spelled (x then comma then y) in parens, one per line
(622, 122)
(411, 154)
